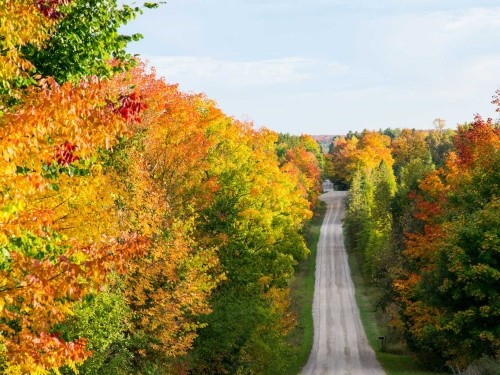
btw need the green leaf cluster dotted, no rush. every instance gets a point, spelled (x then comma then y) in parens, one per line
(85, 42)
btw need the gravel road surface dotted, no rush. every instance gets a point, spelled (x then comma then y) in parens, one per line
(340, 346)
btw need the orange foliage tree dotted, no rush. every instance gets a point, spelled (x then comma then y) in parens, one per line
(302, 156)
(360, 154)
(58, 231)
(163, 170)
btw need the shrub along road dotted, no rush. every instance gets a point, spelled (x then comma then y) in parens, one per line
(340, 346)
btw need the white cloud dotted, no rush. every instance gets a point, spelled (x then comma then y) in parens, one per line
(474, 19)
(473, 82)
(208, 70)
(425, 45)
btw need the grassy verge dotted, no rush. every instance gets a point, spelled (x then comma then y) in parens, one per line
(393, 360)
(302, 293)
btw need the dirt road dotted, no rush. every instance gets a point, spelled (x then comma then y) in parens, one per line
(340, 346)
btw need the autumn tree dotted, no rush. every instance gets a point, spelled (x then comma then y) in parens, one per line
(303, 157)
(124, 204)
(351, 154)
(410, 145)
(340, 157)
(75, 211)
(209, 193)
(160, 179)
(450, 294)
(59, 234)
(372, 149)
(168, 290)
(413, 162)
(256, 218)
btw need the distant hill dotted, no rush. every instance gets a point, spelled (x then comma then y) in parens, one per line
(324, 140)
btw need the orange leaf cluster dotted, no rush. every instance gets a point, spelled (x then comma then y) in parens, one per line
(365, 153)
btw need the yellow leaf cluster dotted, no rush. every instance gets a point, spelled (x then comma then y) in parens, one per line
(21, 22)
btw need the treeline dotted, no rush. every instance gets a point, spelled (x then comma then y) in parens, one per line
(423, 214)
(141, 229)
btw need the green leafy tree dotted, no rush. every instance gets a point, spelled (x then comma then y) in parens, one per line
(358, 212)
(86, 41)
(377, 251)
(102, 319)
(440, 142)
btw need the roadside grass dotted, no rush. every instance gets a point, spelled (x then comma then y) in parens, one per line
(302, 293)
(394, 359)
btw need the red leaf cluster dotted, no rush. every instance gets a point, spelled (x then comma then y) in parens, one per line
(49, 8)
(470, 139)
(64, 154)
(130, 106)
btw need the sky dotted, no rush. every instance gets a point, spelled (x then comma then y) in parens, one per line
(330, 66)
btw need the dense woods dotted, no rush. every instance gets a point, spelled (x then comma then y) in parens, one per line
(423, 217)
(141, 229)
